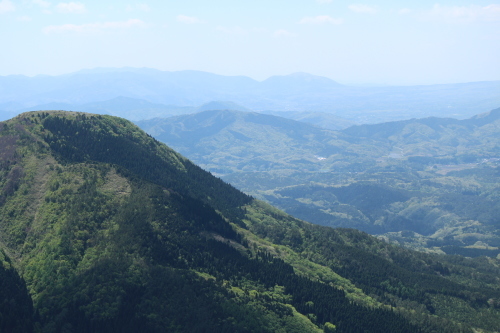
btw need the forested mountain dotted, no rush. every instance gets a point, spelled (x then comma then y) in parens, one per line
(109, 230)
(225, 141)
(427, 183)
(294, 92)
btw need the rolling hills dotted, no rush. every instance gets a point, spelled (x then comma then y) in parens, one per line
(238, 141)
(109, 230)
(428, 183)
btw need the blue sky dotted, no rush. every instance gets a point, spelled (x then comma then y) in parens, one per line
(376, 42)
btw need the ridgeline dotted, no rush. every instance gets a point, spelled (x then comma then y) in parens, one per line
(105, 229)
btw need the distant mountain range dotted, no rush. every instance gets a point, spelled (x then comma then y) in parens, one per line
(171, 92)
(226, 141)
(429, 183)
(250, 141)
(134, 109)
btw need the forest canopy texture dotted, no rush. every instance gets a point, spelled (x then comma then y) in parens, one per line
(104, 229)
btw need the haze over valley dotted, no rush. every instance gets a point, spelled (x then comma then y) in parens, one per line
(138, 94)
(310, 166)
(431, 183)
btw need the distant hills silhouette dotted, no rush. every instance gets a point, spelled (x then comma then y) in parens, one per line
(104, 90)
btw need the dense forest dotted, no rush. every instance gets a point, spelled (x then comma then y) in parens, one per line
(105, 229)
(429, 184)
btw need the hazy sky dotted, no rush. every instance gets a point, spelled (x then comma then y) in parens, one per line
(386, 42)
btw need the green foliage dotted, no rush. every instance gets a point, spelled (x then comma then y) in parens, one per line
(401, 278)
(426, 211)
(329, 327)
(112, 231)
(427, 176)
(116, 141)
(16, 308)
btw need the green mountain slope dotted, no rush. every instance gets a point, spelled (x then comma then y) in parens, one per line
(112, 231)
(243, 141)
(225, 141)
(429, 184)
(16, 308)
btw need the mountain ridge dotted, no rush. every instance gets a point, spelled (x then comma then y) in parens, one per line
(334, 178)
(114, 231)
(134, 109)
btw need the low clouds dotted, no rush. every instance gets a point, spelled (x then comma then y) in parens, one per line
(363, 9)
(188, 19)
(92, 27)
(138, 7)
(321, 19)
(239, 31)
(464, 14)
(61, 7)
(42, 3)
(71, 8)
(6, 6)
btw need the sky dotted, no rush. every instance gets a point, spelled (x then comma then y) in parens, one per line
(359, 42)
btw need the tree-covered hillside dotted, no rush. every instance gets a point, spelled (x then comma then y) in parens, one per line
(109, 230)
(226, 141)
(430, 184)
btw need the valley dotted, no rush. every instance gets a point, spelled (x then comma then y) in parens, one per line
(429, 184)
(105, 229)
(249, 166)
